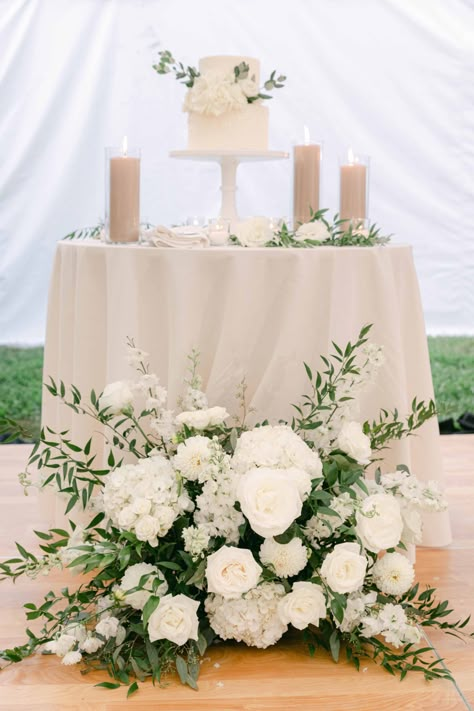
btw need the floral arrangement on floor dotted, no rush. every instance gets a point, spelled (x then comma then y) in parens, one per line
(215, 93)
(317, 232)
(198, 527)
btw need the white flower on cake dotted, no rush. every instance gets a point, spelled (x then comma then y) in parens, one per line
(276, 447)
(254, 232)
(203, 419)
(304, 605)
(215, 93)
(175, 619)
(286, 559)
(152, 479)
(354, 442)
(232, 571)
(271, 499)
(393, 574)
(131, 579)
(192, 458)
(379, 522)
(316, 230)
(252, 618)
(117, 397)
(344, 568)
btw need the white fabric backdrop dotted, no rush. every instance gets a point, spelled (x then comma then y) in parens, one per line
(389, 77)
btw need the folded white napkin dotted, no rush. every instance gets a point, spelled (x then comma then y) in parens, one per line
(161, 236)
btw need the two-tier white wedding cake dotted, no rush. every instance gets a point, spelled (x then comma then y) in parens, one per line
(220, 115)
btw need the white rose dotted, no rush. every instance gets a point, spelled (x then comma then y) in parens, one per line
(379, 522)
(316, 230)
(232, 571)
(270, 499)
(131, 579)
(354, 442)
(174, 619)
(126, 517)
(202, 419)
(140, 506)
(213, 94)
(304, 605)
(117, 397)
(248, 86)
(254, 232)
(344, 568)
(146, 529)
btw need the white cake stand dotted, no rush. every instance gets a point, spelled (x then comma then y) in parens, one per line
(229, 161)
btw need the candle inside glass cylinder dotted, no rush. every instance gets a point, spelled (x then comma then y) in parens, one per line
(124, 196)
(306, 180)
(353, 195)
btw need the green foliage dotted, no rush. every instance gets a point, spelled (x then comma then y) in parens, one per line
(452, 366)
(21, 372)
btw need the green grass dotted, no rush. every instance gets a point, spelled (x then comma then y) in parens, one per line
(452, 364)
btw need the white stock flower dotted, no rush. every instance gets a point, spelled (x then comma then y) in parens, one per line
(202, 419)
(252, 618)
(175, 619)
(117, 397)
(62, 645)
(304, 605)
(316, 230)
(164, 426)
(344, 568)
(108, 627)
(286, 559)
(356, 607)
(192, 458)
(379, 522)
(354, 442)
(277, 447)
(196, 540)
(194, 399)
(393, 574)
(232, 571)
(71, 658)
(214, 93)
(131, 579)
(271, 499)
(135, 356)
(254, 232)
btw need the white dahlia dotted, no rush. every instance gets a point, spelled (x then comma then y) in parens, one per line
(393, 574)
(286, 559)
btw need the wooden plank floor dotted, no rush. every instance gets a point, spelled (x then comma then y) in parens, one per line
(235, 678)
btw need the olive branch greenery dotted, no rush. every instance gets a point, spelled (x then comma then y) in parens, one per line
(107, 551)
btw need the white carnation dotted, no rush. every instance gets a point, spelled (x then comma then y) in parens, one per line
(107, 627)
(379, 522)
(62, 645)
(71, 658)
(131, 579)
(92, 644)
(252, 618)
(286, 559)
(393, 574)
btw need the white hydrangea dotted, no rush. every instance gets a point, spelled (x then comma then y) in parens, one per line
(215, 512)
(393, 574)
(276, 447)
(252, 618)
(390, 621)
(151, 480)
(196, 540)
(357, 605)
(131, 579)
(193, 457)
(286, 559)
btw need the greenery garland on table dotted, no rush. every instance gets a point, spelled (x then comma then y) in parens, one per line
(210, 528)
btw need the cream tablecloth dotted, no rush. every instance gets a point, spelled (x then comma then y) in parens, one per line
(257, 313)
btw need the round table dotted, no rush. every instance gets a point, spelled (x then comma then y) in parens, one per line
(257, 313)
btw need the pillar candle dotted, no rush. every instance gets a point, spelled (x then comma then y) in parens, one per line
(124, 206)
(307, 161)
(353, 196)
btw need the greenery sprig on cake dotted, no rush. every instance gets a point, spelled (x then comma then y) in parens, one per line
(214, 93)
